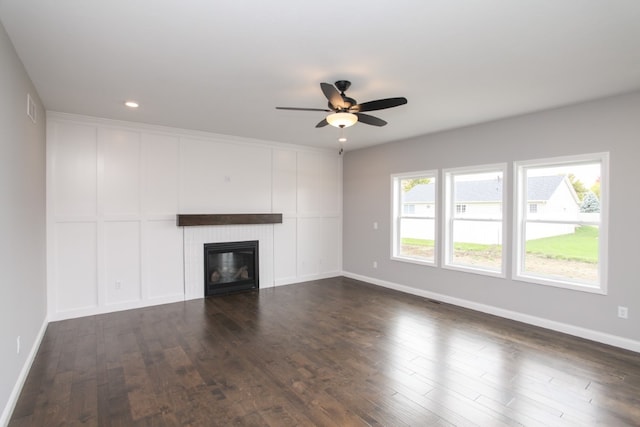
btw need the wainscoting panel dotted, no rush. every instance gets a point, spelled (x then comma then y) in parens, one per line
(74, 170)
(309, 233)
(160, 163)
(162, 259)
(75, 265)
(319, 184)
(331, 246)
(224, 178)
(285, 251)
(120, 189)
(122, 261)
(285, 181)
(319, 247)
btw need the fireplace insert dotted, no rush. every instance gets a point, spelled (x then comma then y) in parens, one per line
(230, 267)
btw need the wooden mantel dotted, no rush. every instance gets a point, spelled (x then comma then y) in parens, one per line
(187, 220)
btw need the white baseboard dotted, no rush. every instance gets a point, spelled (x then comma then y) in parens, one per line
(292, 280)
(92, 311)
(577, 331)
(308, 278)
(284, 281)
(22, 377)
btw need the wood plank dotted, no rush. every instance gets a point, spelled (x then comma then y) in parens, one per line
(188, 220)
(328, 352)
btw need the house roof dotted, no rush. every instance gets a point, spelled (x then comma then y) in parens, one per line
(421, 193)
(539, 188)
(542, 187)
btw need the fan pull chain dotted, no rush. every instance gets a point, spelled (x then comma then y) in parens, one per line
(341, 139)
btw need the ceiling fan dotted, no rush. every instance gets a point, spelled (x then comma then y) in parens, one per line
(346, 111)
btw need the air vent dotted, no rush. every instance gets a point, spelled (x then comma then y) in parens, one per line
(31, 108)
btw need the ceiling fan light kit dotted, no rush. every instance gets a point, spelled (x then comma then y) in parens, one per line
(342, 120)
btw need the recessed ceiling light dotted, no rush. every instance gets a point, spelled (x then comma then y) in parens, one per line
(131, 104)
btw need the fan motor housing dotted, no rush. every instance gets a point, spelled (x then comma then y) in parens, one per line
(343, 85)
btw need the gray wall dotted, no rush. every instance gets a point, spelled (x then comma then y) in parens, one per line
(611, 124)
(22, 221)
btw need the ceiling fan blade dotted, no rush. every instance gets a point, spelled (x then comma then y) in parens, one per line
(322, 123)
(302, 109)
(370, 120)
(333, 96)
(379, 104)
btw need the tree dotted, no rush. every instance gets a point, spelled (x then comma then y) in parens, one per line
(595, 188)
(590, 203)
(578, 186)
(408, 184)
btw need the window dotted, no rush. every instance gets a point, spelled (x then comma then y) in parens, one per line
(409, 209)
(533, 208)
(564, 243)
(473, 228)
(414, 229)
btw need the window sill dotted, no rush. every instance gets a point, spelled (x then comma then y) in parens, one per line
(592, 288)
(475, 270)
(414, 261)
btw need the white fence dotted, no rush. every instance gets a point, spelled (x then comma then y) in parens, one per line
(481, 232)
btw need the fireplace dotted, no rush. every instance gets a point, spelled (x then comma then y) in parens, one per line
(230, 267)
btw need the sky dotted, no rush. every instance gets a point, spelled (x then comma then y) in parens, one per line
(588, 173)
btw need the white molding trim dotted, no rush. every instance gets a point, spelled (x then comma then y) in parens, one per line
(22, 377)
(112, 308)
(181, 132)
(287, 281)
(589, 334)
(284, 281)
(308, 278)
(318, 276)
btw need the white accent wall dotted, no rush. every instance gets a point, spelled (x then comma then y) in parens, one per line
(114, 190)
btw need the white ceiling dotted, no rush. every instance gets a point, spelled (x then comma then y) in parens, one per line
(222, 66)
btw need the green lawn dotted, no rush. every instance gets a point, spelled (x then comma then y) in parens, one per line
(580, 246)
(417, 242)
(458, 246)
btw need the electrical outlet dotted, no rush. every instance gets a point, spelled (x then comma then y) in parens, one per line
(18, 345)
(118, 284)
(623, 312)
(375, 264)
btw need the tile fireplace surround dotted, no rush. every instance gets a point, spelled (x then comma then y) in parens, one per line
(197, 232)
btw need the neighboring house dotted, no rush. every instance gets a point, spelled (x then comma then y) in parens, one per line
(549, 197)
(419, 201)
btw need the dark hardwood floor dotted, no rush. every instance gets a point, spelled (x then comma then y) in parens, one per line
(329, 352)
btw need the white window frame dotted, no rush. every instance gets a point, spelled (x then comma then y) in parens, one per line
(397, 215)
(520, 221)
(449, 210)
